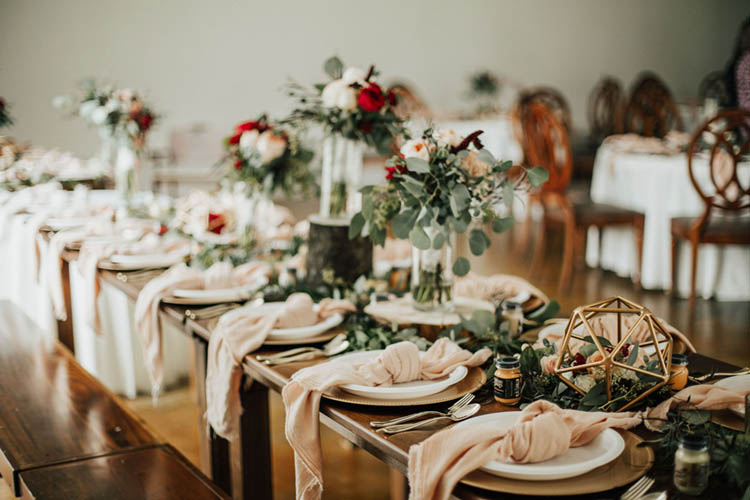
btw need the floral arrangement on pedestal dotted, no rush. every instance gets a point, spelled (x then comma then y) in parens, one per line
(484, 89)
(123, 120)
(439, 185)
(353, 110)
(267, 158)
(5, 118)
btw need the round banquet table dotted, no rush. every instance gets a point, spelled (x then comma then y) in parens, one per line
(498, 137)
(659, 187)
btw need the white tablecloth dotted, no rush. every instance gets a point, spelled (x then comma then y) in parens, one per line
(498, 137)
(659, 187)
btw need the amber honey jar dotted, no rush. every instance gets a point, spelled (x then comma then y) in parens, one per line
(507, 380)
(678, 372)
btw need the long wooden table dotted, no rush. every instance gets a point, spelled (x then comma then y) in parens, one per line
(243, 467)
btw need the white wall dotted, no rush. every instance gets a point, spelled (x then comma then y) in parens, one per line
(222, 61)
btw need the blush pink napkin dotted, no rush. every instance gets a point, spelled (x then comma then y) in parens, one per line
(398, 363)
(93, 252)
(543, 431)
(220, 275)
(495, 286)
(699, 397)
(241, 332)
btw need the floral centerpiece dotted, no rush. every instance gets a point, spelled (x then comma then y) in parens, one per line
(123, 120)
(439, 185)
(5, 118)
(354, 110)
(484, 89)
(267, 158)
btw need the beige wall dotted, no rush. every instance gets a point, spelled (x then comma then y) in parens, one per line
(221, 61)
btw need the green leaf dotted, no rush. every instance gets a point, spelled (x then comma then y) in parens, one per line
(334, 67)
(438, 241)
(461, 195)
(537, 176)
(633, 355)
(412, 185)
(356, 225)
(417, 165)
(419, 238)
(461, 267)
(404, 222)
(604, 341)
(502, 224)
(485, 156)
(596, 396)
(508, 195)
(587, 350)
(478, 241)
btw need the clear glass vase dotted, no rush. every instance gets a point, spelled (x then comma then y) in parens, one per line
(341, 177)
(432, 277)
(127, 171)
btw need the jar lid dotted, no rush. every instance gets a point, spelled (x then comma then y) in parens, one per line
(679, 359)
(693, 441)
(508, 362)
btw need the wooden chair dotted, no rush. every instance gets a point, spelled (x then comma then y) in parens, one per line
(725, 197)
(651, 111)
(605, 109)
(547, 144)
(409, 104)
(548, 96)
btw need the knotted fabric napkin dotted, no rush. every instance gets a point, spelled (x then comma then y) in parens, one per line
(93, 252)
(497, 286)
(398, 363)
(220, 275)
(241, 332)
(543, 431)
(699, 397)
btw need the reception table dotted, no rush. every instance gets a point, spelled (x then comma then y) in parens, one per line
(659, 186)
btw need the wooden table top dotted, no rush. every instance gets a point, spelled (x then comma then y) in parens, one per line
(157, 472)
(51, 409)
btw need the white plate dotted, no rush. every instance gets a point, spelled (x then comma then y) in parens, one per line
(406, 390)
(127, 262)
(217, 295)
(737, 383)
(604, 448)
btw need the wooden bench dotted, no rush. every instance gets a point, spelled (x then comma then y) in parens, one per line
(57, 419)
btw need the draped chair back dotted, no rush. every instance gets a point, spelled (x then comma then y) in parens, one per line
(546, 144)
(651, 111)
(605, 108)
(725, 140)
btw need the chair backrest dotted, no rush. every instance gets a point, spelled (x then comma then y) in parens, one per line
(605, 108)
(725, 139)
(409, 104)
(651, 111)
(546, 144)
(551, 98)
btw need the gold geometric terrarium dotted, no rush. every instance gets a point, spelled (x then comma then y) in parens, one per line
(615, 338)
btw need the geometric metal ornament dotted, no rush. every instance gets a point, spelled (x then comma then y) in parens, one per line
(633, 325)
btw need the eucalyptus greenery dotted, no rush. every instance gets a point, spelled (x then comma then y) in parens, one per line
(441, 194)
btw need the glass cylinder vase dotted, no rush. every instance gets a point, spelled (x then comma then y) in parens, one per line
(127, 171)
(432, 277)
(341, 177)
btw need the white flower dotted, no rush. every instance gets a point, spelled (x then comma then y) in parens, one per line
(99, 116)
(447, 137)
(248, 140)
(338, 94)
(60, 102)
(86, 108)
(354, 75)
(584, 382)
(270, 146)
(415, 148)
(474, 166)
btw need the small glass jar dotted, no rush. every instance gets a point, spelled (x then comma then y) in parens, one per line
(507, 380)
(678, 372)
(691, 464)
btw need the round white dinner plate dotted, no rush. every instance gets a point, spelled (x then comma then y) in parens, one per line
(128, 262)
(604, 448)
(214, 296)
(736, 383)
(405, 390)
(302, 332)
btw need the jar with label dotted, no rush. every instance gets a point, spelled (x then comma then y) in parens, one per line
(691, 464)
(678, 372)
(507, 380)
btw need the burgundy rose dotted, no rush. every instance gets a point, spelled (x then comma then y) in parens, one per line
(238, 164)
(144, 121)
(392, 98)
(371, 98)
(2, 103)
(399, 166)
(245, 127)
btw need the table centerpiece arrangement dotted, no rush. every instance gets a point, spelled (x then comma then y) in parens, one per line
(5, 119)
(439, 185)
(354, 111)
(123, 120)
